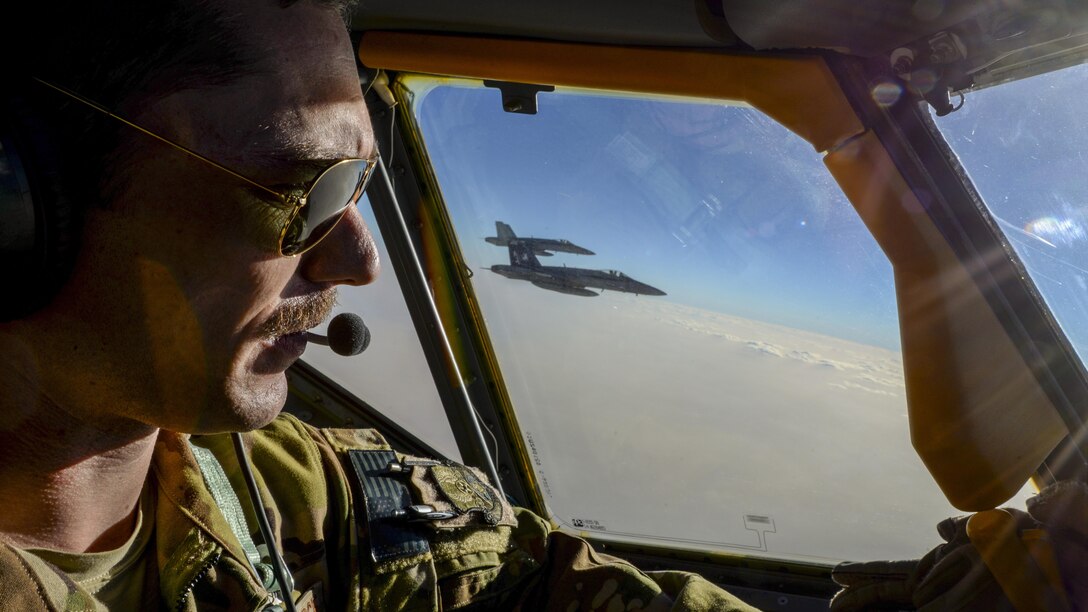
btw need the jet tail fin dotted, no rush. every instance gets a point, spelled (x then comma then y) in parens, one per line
(521, 254)
(504, 232)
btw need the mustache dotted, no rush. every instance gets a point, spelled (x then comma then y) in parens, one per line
(300, 314)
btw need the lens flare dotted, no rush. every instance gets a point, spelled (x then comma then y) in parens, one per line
(1057, 231)
(886, 93)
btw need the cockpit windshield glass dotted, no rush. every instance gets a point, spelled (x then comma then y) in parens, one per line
(712, 361)
(391, 376)
(1025, 147)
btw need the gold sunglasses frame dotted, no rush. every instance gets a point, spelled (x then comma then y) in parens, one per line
(295, 202)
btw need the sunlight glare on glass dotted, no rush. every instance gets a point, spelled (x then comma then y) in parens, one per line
(886, 93)
(1056, 230)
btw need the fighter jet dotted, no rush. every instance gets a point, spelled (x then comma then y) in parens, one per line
(572, 281)
(540, 246)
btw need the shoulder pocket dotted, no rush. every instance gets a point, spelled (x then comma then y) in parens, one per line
(386, 498)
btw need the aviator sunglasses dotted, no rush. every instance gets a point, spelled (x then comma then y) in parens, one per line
(313, 215)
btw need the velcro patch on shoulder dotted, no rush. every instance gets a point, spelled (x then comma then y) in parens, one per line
(386, 496)
(344, 440)
(454, 488)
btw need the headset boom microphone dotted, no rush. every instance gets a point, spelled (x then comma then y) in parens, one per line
(348, 335)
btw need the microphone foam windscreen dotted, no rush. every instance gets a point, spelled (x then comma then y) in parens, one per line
(348, 335)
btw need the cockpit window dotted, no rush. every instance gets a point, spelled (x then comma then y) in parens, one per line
(392, 374)
(1025, 147)
(718, 367)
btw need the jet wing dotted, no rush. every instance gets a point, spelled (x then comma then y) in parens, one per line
(563, 288)
(544, 246)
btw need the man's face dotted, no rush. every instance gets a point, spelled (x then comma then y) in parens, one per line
(179, 284)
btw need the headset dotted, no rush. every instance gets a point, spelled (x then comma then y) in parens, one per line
(39, 225)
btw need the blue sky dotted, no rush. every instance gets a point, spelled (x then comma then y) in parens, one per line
(719, 206)
(1025, 147)
(724, 209)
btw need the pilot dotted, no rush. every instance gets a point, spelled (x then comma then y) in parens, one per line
(193, 165)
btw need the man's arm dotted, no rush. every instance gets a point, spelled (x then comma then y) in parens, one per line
(572, 576)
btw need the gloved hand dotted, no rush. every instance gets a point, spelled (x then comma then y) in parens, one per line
(955, 575)
(950, 577)
(1062, 509)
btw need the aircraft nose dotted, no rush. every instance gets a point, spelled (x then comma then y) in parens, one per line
(648, 290)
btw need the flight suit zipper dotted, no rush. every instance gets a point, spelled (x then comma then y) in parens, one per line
(184, 597)
(271, 603)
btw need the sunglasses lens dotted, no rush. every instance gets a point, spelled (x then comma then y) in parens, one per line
(337, 189)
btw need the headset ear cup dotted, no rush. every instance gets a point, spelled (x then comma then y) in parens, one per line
(36, 259)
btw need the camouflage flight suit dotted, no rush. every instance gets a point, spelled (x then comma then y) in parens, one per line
(323, 490)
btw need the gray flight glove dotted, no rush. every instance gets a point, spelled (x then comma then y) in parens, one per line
(950, 577)
(1042, 563)
(1063, 510)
